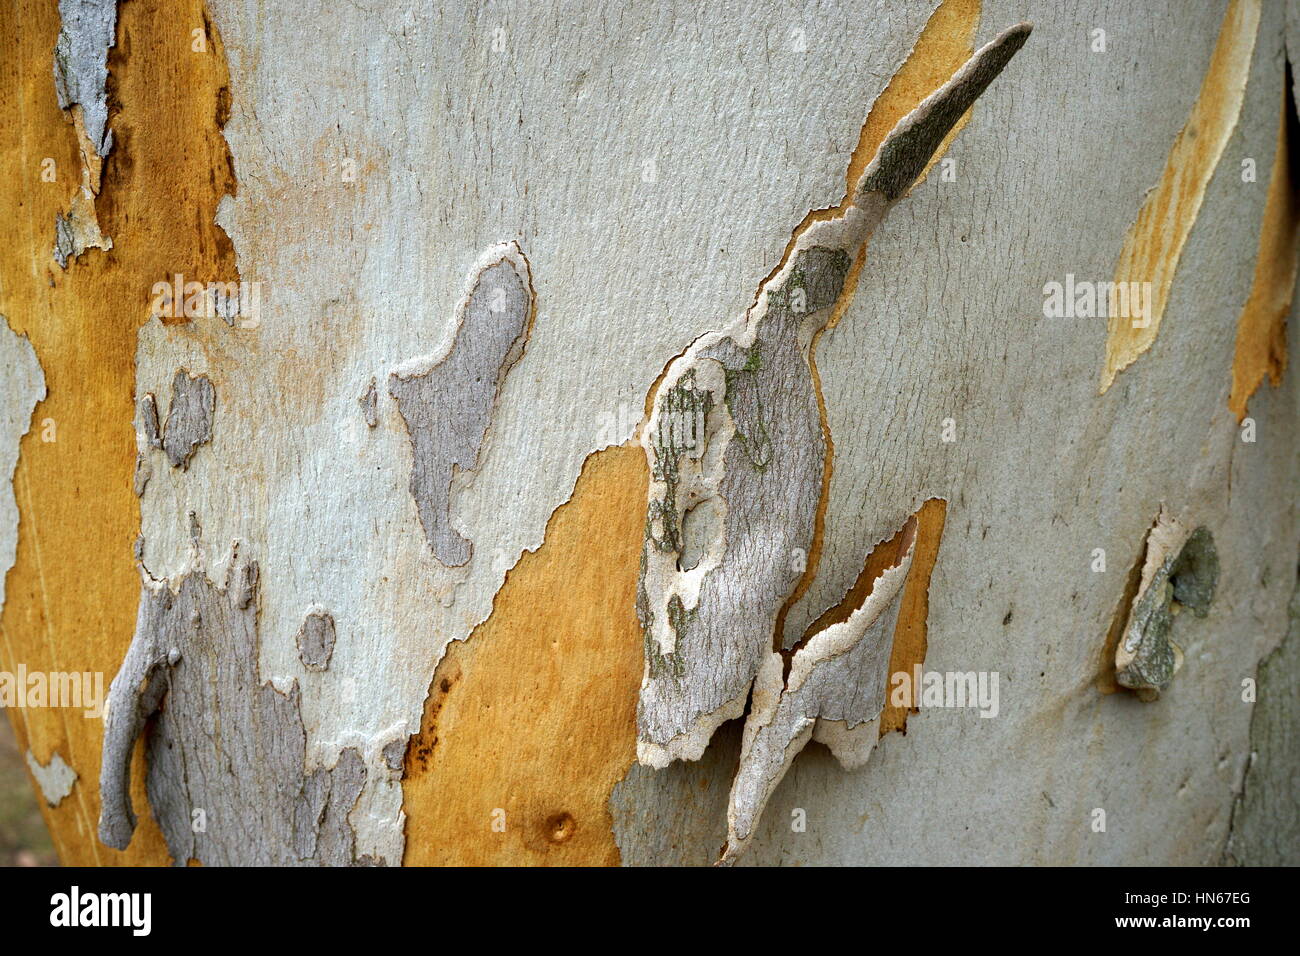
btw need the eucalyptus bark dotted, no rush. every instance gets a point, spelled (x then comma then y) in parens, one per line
(590, 432)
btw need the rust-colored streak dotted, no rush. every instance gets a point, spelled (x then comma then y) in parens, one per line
(535, 714)
(72, 593)
(1154, 244)
(909, 642)
(1261, 327)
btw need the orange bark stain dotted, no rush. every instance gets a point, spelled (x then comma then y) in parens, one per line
(73, 591)
(531, 722)
(1154, 244)
(1261, 327)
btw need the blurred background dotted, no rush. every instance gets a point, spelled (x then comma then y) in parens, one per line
(24, 841)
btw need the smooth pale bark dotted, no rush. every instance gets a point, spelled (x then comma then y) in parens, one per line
(408, 549)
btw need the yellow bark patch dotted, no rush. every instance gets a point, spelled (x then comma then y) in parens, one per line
(1154, 243)
(910, 641)
(1261, 327)
(73, 591)
(531, 722)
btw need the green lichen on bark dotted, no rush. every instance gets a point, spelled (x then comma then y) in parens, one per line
(756, 442)
(661, 664)
(679, 433)
(1186, 580)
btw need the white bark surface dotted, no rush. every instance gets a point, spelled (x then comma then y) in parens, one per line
(649, 162)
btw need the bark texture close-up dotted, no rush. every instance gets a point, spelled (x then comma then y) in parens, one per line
(593, 433)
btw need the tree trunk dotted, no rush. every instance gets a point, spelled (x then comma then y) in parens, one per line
(594, 432)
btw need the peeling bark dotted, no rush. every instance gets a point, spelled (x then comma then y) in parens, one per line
(752, 438)
(189, 419)
(481, 560)
(1181, 570)
(81, 65)
(227, 777)
(81, 82)
(24, 390)
(838, 676)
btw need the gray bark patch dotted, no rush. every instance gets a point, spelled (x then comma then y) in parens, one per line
(148, 420)
(81, 64)
(773, 464)
(1181, 576)
(143, 472)
(394, 753)
(904, 154)
(66, 247)
(448, 405)
(225, 751)
(189, 420)
(316, 640)
(24, 388)
(148, 436)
